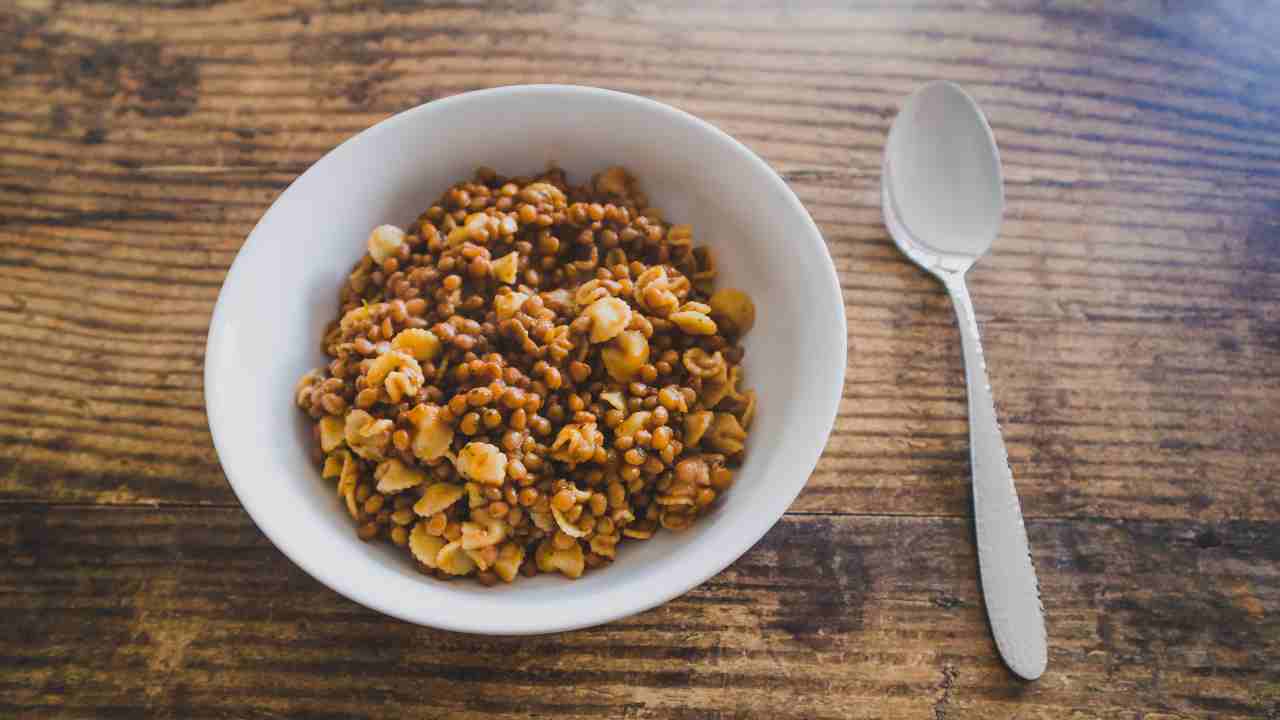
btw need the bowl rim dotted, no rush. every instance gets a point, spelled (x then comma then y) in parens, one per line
(714, 561)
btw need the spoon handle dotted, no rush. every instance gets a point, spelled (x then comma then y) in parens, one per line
(1009, 584)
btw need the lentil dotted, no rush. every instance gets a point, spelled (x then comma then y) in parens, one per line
(529, 373)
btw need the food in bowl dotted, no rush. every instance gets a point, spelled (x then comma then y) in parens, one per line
(529, 375)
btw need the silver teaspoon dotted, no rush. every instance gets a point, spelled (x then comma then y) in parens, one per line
(943, 197)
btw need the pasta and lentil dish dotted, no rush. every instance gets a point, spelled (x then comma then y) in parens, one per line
(528, 375)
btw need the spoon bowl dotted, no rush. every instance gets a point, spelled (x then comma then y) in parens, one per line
(941, 179)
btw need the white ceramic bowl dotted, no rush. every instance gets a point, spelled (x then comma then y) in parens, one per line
(282, 289)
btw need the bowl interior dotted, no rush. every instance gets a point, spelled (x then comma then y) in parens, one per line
(282, 290)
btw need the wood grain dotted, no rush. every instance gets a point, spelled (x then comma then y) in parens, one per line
(1131, 318)
(194, 613)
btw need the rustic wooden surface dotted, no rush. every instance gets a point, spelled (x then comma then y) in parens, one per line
(1131, 314)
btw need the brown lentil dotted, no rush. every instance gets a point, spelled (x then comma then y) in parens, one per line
(510, 410)
(399, 536)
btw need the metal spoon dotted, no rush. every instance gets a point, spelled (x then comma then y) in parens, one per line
(942, 195)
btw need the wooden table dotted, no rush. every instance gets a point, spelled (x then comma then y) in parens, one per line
(1131, 313)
